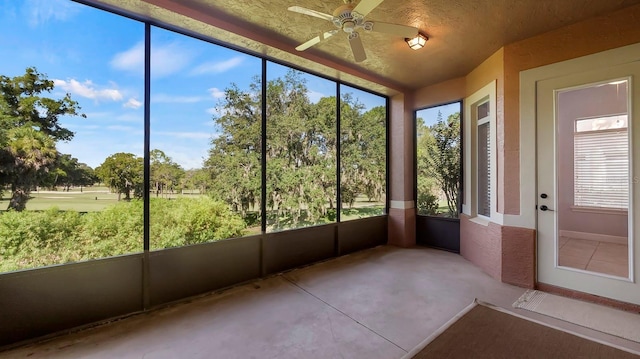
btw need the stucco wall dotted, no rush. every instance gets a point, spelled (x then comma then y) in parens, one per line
(402, 224)
(505, 253)
(584, 38)
(438, 94)
(508, 253)
(482, 245)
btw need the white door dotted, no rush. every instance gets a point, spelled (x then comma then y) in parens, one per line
(587, 193)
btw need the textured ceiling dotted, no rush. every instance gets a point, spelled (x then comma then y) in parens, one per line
(462, 33)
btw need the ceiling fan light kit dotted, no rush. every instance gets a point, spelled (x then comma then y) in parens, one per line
(350, 19)
(418, 42)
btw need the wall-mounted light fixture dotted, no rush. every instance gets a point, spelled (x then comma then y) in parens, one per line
(417, 42)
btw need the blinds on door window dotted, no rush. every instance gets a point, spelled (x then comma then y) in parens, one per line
(601, 167)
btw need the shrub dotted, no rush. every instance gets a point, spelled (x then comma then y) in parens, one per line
(427, 204)
(185, 221)
(30, 239)
(118, 229)
(34, 239)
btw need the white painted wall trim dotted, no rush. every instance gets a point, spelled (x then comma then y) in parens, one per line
(470, 156)
(401, 204)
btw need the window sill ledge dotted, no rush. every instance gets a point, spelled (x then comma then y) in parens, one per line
(480, 220)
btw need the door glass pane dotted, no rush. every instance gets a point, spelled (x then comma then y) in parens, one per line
(593, 178)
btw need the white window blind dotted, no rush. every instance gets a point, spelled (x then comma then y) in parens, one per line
(601, 168)
(484, 169)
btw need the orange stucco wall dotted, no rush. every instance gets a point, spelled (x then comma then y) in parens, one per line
(584, 38)
(402, 224)
(508, 253)
(401, 142)
(444, 92)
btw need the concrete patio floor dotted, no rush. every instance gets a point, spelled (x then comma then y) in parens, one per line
(378, 303)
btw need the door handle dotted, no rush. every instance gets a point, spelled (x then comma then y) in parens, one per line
(545, 208)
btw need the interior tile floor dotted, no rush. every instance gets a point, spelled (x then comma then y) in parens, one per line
(594, 256)
(377, 303)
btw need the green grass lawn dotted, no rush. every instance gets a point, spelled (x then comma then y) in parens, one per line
(91, 199)
(362, 211)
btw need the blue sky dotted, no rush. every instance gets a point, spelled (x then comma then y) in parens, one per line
(430, 115)
(98, 58)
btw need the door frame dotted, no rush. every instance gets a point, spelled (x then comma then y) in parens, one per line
(528, 109)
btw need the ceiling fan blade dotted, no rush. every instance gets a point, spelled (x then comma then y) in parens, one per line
(364, 7)
(310, 12)
(316, 40)
(356, 47)
(395, 29)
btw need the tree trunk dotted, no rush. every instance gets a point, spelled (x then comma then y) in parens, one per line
(19, 199)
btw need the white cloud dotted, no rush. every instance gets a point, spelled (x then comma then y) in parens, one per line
(315, 96)
(216, 67)
(42, 11)
(189, 155)
(88, 89)
(166, 59)
(216, 92)
(217, 111)
(188, 158)
(164, 98)
(121, 128)
(130, 60)
(214, 111)
(132, 103)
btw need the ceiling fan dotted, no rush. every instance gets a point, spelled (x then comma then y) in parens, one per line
(350, 18)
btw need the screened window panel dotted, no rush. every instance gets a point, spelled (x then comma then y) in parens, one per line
(484, 170)
(601, 169)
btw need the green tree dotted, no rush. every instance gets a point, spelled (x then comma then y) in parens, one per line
(301, 151)
(363, 151)
(123, 173)
(427, 201)
(30, 155)
(233, 165)
(29, 129)
(68, 172)
(196, 179)
(166, 175)
(84, 176)
(443, 156)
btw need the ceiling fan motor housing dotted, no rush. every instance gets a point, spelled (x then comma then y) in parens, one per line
(346, 19)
